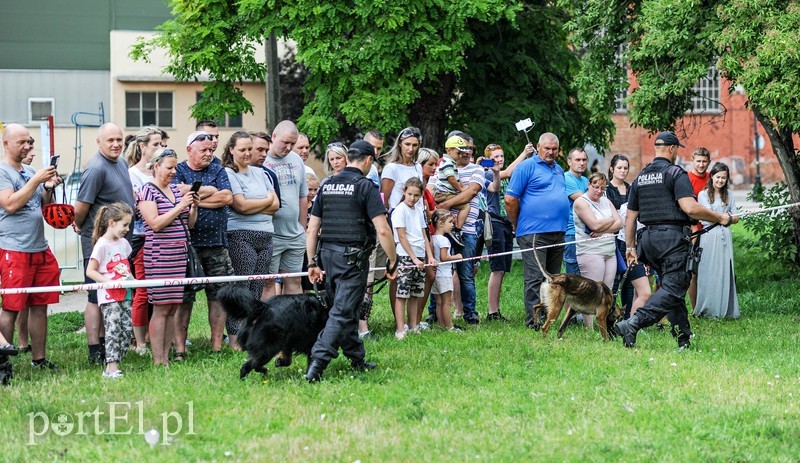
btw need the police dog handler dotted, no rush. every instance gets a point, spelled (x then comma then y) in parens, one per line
(663, 200)
(347, 213)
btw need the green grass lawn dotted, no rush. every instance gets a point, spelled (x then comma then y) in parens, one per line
(498, 392)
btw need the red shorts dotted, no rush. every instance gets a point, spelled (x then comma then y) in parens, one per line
(27, 269)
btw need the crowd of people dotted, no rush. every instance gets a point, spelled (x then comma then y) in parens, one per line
(254, 207)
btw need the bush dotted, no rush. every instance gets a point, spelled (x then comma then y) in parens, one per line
(774, 233)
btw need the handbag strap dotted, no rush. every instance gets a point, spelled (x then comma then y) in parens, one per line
(183, 224)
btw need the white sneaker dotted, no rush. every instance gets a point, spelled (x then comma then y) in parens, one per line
(405, 328)
(187, 343)
(142, 350)
(113, 375)
(400, 335)
(424, 326)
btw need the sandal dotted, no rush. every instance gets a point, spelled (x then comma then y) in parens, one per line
(25, 350)
(179, 357)
(8, 349)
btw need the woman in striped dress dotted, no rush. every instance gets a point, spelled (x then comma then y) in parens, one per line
(166, 213)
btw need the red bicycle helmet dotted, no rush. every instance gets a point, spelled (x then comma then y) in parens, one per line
(58, 216)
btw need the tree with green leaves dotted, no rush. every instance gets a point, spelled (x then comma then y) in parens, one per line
(478, 65)
(669, 45)
(378, 65)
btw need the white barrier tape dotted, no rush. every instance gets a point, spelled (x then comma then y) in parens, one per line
(234, 278)
(767, 209)
(498, 254)
(124, 284)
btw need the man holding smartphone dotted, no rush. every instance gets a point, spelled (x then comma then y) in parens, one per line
(210, 232)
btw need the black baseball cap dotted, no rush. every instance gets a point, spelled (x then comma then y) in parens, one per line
(362, 148)
(668, 139)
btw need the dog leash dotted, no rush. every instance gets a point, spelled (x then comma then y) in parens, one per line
(320, 296)
(622, 281)
(382, 281)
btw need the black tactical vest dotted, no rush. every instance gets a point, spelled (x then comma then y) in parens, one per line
(344, 220)
(657, 203)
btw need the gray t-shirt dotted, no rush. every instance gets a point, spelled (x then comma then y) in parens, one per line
(22, 231)
(291, 174)
(253, 184)
(103, 182)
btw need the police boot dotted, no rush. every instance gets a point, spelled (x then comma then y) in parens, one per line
(362, 365)
(315, 369)
(628, 329)
(6, 372)
(684, 334)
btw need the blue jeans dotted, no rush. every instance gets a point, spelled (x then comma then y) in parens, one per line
(466, 276)
(570, 256)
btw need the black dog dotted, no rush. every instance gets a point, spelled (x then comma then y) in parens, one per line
(283, 324)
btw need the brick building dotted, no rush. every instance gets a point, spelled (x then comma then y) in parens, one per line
(718, 121)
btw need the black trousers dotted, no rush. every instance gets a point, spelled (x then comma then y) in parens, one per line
(345, 284)
(666, 248)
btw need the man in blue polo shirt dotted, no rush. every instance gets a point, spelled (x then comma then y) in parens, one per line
(537, 204)
(209, 235)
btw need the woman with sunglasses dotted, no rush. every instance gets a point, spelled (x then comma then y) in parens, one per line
(167, 215)
(335, 160)
(250, 226)
(402, 166)
(138, 152)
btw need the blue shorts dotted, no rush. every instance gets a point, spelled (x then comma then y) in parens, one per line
(502, 241)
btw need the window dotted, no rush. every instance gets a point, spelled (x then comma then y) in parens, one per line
(621, 98)
(231, 120)
(39, 109)
(148, 108)
(705, 94)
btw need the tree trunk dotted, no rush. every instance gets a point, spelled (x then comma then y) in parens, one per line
(429, 112)
(273, 94)
(783, 145)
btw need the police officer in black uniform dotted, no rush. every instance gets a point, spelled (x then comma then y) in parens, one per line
(347, 213)
(662, 199)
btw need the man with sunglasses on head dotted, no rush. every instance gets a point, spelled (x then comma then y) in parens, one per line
(210, 233)
(289, 238)
(25, 258)
(105, 181)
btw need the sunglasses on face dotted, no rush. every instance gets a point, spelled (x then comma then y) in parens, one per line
(202, 137)
(410, 132)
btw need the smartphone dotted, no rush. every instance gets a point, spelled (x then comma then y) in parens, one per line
(54, 161)
(196, 186)
(487, 163)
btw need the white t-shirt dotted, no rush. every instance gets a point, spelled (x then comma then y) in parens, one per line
(138, 180)
(112, 257)
(440, 242)
(413, 220)
(399, 173)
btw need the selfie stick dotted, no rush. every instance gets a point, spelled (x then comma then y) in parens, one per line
(525, 126)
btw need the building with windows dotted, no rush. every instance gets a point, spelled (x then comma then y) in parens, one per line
(719, 121)
(70, 60)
